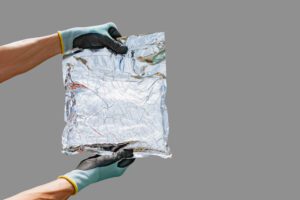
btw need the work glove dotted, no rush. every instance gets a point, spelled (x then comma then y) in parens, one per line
(98, 168)
(93, 37)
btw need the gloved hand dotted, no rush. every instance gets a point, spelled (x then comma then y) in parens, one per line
(93, 37)
(98, 168)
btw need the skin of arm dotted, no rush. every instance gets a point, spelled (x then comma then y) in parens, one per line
(17, 58)
(21, 56)
(59, 189)
(89, 171)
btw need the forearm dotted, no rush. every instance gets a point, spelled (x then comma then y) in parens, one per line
(59, 189)
(19, 57)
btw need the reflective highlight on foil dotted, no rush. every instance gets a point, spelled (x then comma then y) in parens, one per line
(117, 101)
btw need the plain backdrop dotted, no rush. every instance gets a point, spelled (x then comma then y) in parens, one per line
(233, 99)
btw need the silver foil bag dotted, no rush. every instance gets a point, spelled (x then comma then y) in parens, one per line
(117, 101)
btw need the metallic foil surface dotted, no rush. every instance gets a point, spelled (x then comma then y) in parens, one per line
(117, 101)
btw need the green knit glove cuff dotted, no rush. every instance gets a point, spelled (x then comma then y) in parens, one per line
(82, 178)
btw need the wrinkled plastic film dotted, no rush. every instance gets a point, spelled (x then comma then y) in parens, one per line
(117, 101)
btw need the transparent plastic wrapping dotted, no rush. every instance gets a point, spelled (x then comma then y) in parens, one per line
(117, 101)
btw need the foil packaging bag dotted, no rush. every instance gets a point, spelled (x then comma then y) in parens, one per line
(117, 101)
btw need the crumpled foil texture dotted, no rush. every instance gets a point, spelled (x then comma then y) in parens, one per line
(117, 101)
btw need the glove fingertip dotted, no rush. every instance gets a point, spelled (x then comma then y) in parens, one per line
(114, 33)
(122, 50)
(125, 153)
(125, 163)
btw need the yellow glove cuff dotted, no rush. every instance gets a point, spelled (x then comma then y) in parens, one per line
(72, 183)
(61, 42)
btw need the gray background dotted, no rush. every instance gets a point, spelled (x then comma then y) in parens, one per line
(233, 99)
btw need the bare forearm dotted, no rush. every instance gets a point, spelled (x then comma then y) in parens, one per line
(19, 57)
(59, 189)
